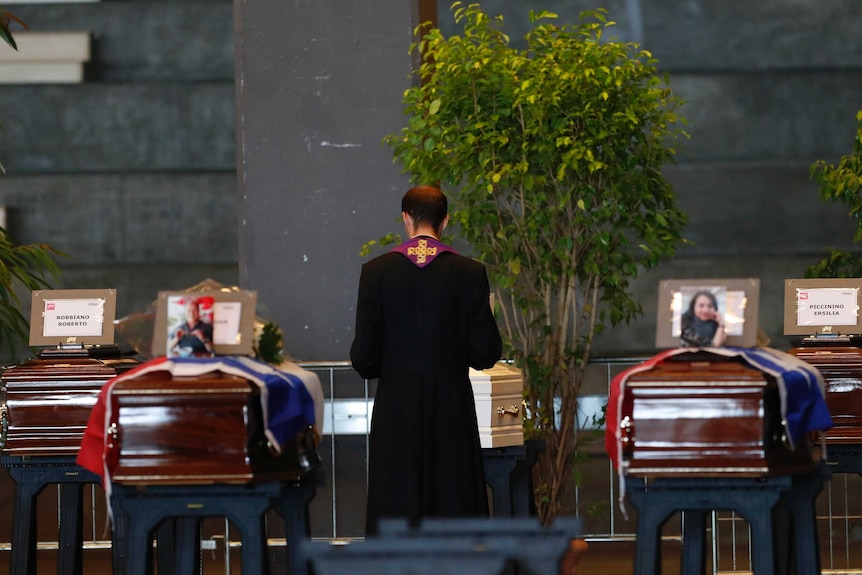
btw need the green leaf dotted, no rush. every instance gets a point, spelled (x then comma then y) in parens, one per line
(842, 183)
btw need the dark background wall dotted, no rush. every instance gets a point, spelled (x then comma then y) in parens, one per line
(319, 85)
(770, 88)
(133, 172)
(242, 142)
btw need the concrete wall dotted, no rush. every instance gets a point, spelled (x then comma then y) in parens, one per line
(131, 173)
(134, 173)
(770, 88)
(319, 85)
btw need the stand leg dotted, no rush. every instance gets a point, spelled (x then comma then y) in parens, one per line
(188, 545)
(693, 542)
(247, 513)
(23, 559)
(138, 549)
(803, 555)
(119, 538)
(166, 547)
(254, 558)
(762, 539)
(653, 512)
(292, 505)
(497, 473)
(70, 557)
(522, 492)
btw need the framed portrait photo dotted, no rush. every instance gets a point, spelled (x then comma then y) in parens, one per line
(203, 324)
(72, 317)
(822, 306)
(690, 311)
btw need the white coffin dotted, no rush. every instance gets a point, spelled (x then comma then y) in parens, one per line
(498, 393)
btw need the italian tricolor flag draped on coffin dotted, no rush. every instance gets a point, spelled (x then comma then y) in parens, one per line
(286, 404)
(800, 386)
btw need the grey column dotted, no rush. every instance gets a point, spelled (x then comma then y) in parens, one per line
(318, 86)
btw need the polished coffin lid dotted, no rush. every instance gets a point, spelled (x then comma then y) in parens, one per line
(841, 367)
(705, 416)
(46, 401)
(191, 430)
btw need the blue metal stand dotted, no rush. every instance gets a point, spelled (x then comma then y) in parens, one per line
(31, 475)
(175, 511)
(754, 499)
(508, 471)
(139, 510)
(292, 506)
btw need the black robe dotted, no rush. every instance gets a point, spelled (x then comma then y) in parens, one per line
(418, 330)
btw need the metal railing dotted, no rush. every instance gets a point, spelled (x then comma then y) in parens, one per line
(839, 506)
(347, 416)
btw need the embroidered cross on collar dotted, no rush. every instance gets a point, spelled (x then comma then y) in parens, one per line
(422, 250)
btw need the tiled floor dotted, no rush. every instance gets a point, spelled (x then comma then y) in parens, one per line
(602, 558)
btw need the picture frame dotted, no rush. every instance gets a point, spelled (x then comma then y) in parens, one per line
(737, 299)
(830, 306)
(72, 317)
(232, 316)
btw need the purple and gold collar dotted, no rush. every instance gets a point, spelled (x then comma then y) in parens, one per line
(422, 250)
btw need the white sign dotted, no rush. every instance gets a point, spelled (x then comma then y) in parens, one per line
(226, 319)
(73, 317)
(826, 306)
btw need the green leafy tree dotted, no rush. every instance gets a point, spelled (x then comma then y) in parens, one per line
(21, 266)
(842, 183)
(552, 156)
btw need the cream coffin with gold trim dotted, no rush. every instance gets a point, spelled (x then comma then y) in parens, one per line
(498, 393)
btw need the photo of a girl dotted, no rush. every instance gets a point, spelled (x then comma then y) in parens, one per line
(702, 324)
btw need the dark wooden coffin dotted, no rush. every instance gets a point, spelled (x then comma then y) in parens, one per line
(689, 417)
(841, 367)
(45, 402)
(194, 430)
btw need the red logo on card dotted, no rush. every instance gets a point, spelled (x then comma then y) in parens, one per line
(49, 306)
(803, 295)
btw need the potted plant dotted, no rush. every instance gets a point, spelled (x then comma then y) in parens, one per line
(842, 183)
(552, 157)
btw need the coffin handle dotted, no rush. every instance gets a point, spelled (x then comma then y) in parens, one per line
(513, 411)
(113, 448)
(783, 437)
(4, 425)
(114, 435)
(627, 436)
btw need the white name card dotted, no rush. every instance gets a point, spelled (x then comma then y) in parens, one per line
(826, 306)
(73, 317)
(227, 318)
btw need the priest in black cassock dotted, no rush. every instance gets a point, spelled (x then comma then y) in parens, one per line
(422, 319)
